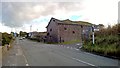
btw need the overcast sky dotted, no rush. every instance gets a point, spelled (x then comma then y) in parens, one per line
(16, 16)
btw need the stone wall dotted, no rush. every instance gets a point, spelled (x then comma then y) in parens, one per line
(58, 31)
(69, 32)
(52, 31)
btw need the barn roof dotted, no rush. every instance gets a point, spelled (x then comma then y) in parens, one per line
(67, 21)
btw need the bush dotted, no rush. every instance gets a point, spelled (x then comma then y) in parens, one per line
(6, 38)
(106, 42)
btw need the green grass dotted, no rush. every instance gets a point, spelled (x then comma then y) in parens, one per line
(70, 42)
(107, 45)
(111, 49)
(107, 50)
(65, 43)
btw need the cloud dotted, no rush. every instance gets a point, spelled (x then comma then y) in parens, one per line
(23, 14)
(0, 11)
(119, 12)
(16, 14)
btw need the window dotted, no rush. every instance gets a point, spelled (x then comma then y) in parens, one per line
(50, 29)
(62, 40)
(81, 26)
(54, 20)
(47, 34)
(91, 36)
(65, 28)
(73, 32)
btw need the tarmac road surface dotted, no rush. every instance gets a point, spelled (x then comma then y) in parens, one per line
(29, 53)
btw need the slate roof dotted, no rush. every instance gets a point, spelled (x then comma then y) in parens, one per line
(67, 21)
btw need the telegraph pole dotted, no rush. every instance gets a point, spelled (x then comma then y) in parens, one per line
(37, 30)
(30, 31)
(93, 38)
(30, 28)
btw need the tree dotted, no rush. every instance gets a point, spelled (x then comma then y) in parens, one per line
(6, 38)
(101, 26)
(23, 34)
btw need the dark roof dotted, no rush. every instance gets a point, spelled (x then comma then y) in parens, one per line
(67, 21)
(42, 32)
(49, 22)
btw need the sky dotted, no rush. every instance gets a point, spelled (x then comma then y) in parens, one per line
(19, 16)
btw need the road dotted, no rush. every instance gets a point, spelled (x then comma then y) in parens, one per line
(28, 53)
(0, 56)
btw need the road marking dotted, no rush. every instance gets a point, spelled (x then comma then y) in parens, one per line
(76, 49)
(16, 54)
(8, 61)
(27, 64)
(24, 57)
(80, 47)
(26, 60)
(13, 65)
(78, 44)
(90, 54)
(71, 48)
(67, 47)
(83, 62)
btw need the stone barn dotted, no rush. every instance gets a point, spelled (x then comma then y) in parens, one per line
(67, 30)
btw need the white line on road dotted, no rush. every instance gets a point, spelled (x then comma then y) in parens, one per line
(76, 49)
(26, 60)
(67, 47)
(13, 65)
(90, 54)
(27, 64)
(24, 57)
(83, 62)
(8, 62)
(80, 47)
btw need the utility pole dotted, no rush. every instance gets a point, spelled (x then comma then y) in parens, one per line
(37, 30)
(30, 31)
(93, 38)
(15, 33)
(30, 28)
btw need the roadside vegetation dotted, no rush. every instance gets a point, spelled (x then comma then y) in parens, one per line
(70, 42)
(7, 38)
(22, 34)
(106, 42)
